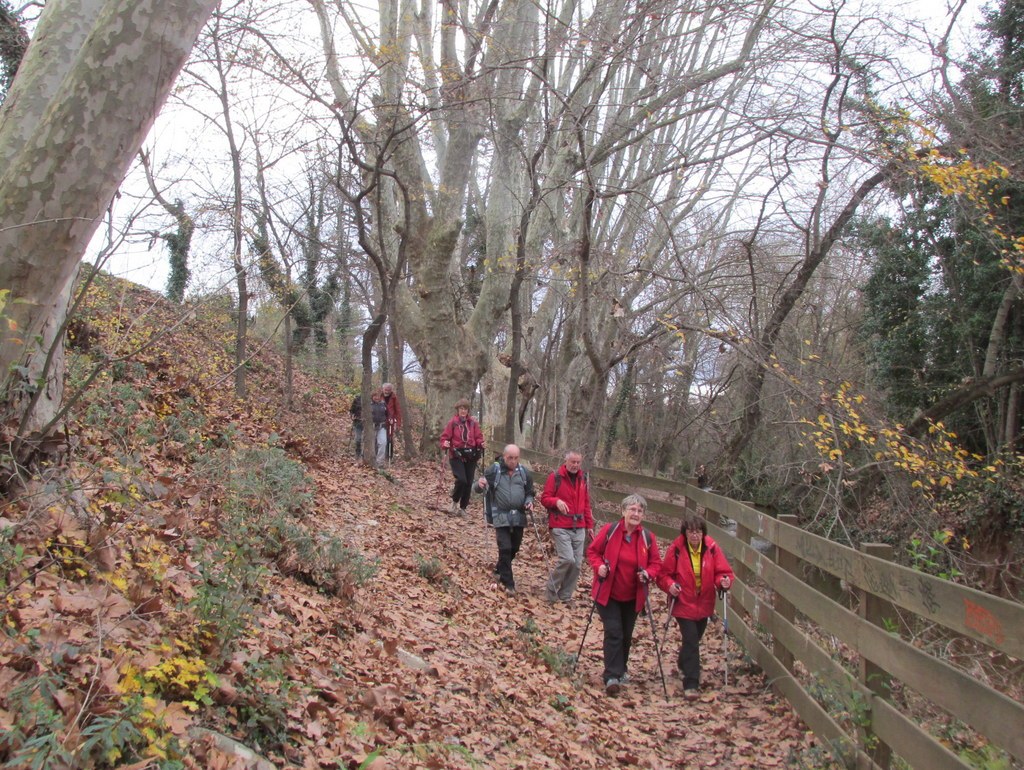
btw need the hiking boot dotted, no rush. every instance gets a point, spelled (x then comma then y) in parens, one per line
(462, 512)
(691, 694)
(624, 679)
(549, 598)
(510, 590)
(611, 686)
(454, 510)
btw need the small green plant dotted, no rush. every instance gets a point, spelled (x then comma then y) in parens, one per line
(987, 758)
(35, 741)
(933, 556)
(562, 703)
(266, 693)
(430, 568)
(556, 659)
(850, 707)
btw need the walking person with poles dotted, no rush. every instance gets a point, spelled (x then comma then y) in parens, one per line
(625, 558)
(394, 423)
(567, 500)
(464, 441)
(694, 569)
(509, 500)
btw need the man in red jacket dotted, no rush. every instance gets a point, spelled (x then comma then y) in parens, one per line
(570, 518)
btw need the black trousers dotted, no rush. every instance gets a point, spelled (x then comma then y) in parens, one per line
(509, 539)
(689, 654)
(463, 471)
(618, 618)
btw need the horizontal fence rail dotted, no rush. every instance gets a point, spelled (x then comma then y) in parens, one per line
(851, 693)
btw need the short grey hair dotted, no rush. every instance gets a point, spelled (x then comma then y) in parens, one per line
(634, 499)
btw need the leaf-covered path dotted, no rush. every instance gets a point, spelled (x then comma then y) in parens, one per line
(455, 670)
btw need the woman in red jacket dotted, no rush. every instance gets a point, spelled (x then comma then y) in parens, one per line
(625, 559)
(694, 568)
(464, 441)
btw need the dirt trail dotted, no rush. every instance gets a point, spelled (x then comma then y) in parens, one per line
(485, 697)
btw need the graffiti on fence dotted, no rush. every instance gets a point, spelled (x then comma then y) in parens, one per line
(983, 621)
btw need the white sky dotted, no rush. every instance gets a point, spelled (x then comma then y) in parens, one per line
(178, 131)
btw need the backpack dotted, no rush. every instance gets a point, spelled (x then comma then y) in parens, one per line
(643, 531)
(558, 481)
(489, 494)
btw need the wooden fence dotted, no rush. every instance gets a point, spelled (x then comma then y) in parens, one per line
(891, 620)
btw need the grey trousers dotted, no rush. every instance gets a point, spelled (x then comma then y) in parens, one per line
(566, 572)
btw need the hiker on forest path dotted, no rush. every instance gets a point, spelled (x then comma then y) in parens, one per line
(379, 415)
(625, 559)
(693, 570)
(509, 498)
(394, 422)
(464, 441)
(566, 497)
(356, 412)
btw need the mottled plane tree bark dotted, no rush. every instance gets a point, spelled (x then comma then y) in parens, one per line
(89, 87)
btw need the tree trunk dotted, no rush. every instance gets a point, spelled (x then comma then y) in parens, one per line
(66, 140)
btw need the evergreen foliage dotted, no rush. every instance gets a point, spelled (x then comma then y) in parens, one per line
(13, 43)
(178, 243)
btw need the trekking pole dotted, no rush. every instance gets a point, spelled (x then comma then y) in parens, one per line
(668, 620)
(724, 596)
(654, 634)
(586, 628)
(440, 482)
(536, 530)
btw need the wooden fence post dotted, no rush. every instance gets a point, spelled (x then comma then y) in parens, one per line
(791, 563)
(877, 611)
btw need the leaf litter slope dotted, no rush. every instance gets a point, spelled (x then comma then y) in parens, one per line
(426, 665)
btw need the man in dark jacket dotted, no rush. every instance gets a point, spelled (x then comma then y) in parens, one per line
(509, 495)
(570, 518)
(356, 411)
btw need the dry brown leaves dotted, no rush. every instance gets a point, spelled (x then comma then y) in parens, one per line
(420, 670)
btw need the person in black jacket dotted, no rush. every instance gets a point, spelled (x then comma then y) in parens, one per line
(356, 410)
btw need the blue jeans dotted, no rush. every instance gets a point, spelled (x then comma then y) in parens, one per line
(381, 435)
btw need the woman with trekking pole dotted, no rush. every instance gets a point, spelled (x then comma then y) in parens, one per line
(625, 558)
(464, 441)
(694, 569)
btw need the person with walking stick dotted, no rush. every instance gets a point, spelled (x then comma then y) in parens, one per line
(694, 569)
(464, 441)
(625, 558)
(570, 519)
